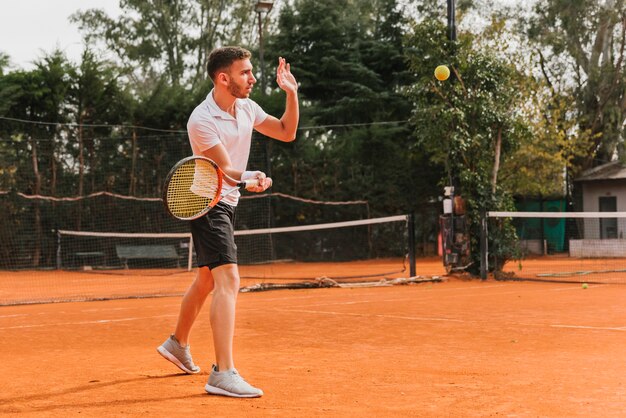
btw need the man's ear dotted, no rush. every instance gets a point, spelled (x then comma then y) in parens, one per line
(222, 78)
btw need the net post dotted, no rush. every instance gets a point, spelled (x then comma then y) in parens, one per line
(411, 232)
(58, 253)
(190, 255)
(484, 260)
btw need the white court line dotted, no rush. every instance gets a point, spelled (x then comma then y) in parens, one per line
(366, 294)
(132, 308)
(410, 318)
(356, 302)
(589, 327)
(417, 298)
(577, 286)
(109, 309)
(99, 321)
(572, 287)
(435, 319)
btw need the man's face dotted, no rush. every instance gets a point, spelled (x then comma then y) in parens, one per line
(240, 79)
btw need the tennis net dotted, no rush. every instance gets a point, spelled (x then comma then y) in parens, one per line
(107, 265)
(579, 247)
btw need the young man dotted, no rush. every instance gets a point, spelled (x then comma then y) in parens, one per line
(220, 128)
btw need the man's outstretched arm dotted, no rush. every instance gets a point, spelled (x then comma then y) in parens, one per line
(284, 129)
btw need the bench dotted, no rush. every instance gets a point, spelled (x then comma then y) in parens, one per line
(85, 258)
(146, 252)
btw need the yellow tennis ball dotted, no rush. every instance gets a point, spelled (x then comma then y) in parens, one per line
(442, 72)
(585, 285)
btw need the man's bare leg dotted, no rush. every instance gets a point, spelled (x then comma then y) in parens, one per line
(192, 303)
(176, 347)
(224, 378)
(226, 279)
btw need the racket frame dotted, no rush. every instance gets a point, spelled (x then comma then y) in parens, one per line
(220, 179)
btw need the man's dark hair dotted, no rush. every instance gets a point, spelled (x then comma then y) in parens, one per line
(222, 58)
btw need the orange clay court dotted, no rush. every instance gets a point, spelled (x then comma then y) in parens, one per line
(458, 348)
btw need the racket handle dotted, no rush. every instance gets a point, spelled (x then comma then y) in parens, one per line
(249, 183)
(253, 183)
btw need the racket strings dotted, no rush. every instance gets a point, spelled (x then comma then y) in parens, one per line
(205, 180)
(192, 189)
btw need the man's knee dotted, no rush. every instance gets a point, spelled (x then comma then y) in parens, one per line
(204, 280)
(226, 278)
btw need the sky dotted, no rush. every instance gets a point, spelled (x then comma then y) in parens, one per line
(30, 28)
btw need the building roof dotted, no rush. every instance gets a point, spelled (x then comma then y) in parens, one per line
(615, 170)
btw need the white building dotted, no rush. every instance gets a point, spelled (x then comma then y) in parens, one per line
(603, 190)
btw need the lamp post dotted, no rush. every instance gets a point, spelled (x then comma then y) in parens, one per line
(452, 20)
(262, 7)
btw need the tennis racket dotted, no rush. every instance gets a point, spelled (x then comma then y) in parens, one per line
(194, 186)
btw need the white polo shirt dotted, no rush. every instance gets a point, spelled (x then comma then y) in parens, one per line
(209, 125)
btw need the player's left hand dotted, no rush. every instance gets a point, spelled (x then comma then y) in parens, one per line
(264, 181)
(284, 78)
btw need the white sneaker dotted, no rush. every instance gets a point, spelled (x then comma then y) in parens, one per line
(181, 356)
(230, 383)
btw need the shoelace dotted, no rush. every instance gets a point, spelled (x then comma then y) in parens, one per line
(238, 377)
(235, 381)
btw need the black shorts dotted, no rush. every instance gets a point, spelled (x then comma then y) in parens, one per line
(214, 237)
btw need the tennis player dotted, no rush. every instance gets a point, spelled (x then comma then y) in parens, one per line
(220, 128)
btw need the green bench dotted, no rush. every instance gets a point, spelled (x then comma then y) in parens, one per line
(85, 259)
(146, 252)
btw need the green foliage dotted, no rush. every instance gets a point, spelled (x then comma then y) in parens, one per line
(582, 54)
(89, 151)
(552, 142)
(469, 123)
(555, 144)
(172, 37)
(375, 124)
(36, 95)
(4, 62)
(84, 132)
(349, 59)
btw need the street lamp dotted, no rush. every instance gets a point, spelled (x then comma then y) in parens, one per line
(452, 20)
(262, 7)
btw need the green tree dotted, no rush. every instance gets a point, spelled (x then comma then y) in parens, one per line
(582, 46)
(536, 167)
(349, 59)
(7, 86)
(37, 95)
(470, 122)
(4, 62)
(171, 37)
(165, 109)
(95, 99)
